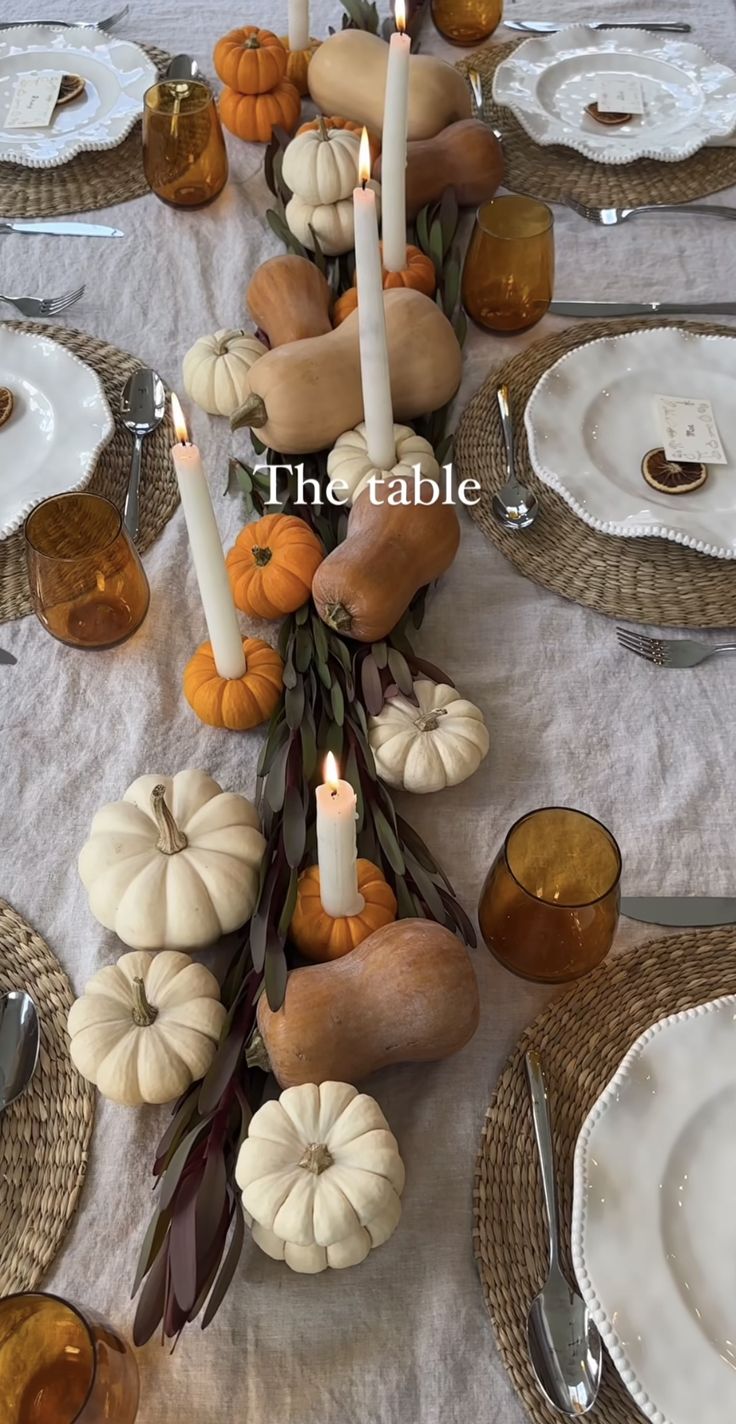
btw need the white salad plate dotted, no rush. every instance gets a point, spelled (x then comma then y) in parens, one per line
(59, 424)
(654, 1225)
(116, 74)
(593, 417)
(689, 99)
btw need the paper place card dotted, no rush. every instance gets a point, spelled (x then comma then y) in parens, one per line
(690, 430)
(617, 95)
(33, 102)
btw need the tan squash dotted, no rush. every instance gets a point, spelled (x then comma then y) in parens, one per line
(347, 76)
(466, 156)
(304, 395)
(364, 587)
(289, 299)
(407, 994)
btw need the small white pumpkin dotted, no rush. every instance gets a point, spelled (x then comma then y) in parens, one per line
(321, 165)
(215, 370)
(310, 1260)
(175, 864)
(350, 462)
(146, 1027)
(332, 222)
(319, 1164)
(438, 743)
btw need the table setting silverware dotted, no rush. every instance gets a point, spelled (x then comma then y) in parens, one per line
(670, 652)
(20, 1042)
(142, 407)
(108, 23)
(611, 217)
(548, 27)
(642, 308)
(7, 659)
(681, 911)
(514, 505)
(44, 306)
(60, 229)
(183, 66)
(564, 1345)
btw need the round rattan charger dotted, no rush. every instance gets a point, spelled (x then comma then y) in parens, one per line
(44, 1136)
(582, 1038)
(644, 580)
(555, 173)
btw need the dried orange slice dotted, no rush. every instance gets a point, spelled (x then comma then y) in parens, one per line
(6, 404)
(72, 85)
(672, 476)
(611, 120)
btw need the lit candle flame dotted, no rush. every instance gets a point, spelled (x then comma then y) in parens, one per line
(364, 158)
(400, 15)
(180, 425)
(331, 771)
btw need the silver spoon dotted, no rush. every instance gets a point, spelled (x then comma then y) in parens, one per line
(183, 66)
(20, 1041)
(514, 506)
(8, 658)
(564, 1345)
(142, 407)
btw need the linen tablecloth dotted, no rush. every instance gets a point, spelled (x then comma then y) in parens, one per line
(405, 1338)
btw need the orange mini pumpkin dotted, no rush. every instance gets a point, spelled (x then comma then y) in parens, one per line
(297, 64)
(250, 60)
(335, 122)
(237, 703)
(419, 273)
(272, 564)
(318, 936)
(254, 117)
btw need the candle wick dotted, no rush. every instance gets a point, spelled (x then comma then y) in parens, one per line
(364, 183)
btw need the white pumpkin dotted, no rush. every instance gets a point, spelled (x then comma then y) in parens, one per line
(319, 1164)
(350, 462)
(332, 222)
(215, 370)
(146, 1027)
(175, 864)
(321, 165)
(310, 1260)
(439, 743)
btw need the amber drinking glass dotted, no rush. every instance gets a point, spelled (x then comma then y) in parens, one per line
(87, 583)
(510, 264)
(184, 154)
(62, 1365)
(466, 22)
(550, 904)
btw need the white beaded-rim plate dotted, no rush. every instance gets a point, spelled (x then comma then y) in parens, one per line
(116, 74)
(59, 424)
(689, 99)
(592, 418)
(654, 1226)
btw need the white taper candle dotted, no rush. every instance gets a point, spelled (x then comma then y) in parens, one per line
(393, 148)
(336, 845)
(298, 24)
(374, 368)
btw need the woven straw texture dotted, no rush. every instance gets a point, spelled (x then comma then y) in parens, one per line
(582, 1038)
(159, 491)
(89, 181)
(645, 580)
(44, 1136)
(557, 173)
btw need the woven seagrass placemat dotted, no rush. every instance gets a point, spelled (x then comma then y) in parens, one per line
(89, 181)
(646, 580)
(555, 173)
(582, 1038)
(44, 1136)
(159, 490)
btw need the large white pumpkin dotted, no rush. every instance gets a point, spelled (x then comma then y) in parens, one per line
(215, 370)
(319, 1164)
(424, 748)
(146, 1027)
(350, 462)
(175, 864)
(321, 165)
(310, 1260)
(333, 223)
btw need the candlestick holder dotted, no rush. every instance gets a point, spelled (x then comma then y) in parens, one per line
(319, 936)
(236, 703)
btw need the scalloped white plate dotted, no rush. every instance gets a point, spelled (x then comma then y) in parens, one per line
(654, 1224)
(59, 424)
(592, 418)
(116, 74)
(689, 99)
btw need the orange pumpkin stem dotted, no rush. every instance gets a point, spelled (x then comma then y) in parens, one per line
(252, 43)
(317, 1158)
(170, 839)
(261, 556)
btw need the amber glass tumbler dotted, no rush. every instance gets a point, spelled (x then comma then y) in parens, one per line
(466, 22)
(63, 1365)
(509, 271)
(87, 583)
(550, 904)
(184, 154)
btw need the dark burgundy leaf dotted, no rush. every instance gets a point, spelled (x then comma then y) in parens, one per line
(179, 1164)
(150, 1308)
(226, 1059)
(211, 1263)
(275, 973)
(435, 674)
(152, 1243)
(182, 1116)
(228, 1268)
(210, 1205)
(183, 1244)
(174, 1317)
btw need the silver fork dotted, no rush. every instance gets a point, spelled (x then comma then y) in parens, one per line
(665, 652)
(610, 217)
(44, 306)
(107, 24)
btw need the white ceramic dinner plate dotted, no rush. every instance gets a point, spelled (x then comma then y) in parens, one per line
(116, 75)
(654, 1225)
(592, 418)
(59, 424)
(689, 99)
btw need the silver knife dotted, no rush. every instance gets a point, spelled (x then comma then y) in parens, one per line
(687, 911)
(643, 308)
(547, 27)
(62, 229)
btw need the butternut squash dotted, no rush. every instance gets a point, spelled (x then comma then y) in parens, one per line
(407, 994)
(465, 156)
(366, 584)
(347, 76)
(303, 395)
(289, 299)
